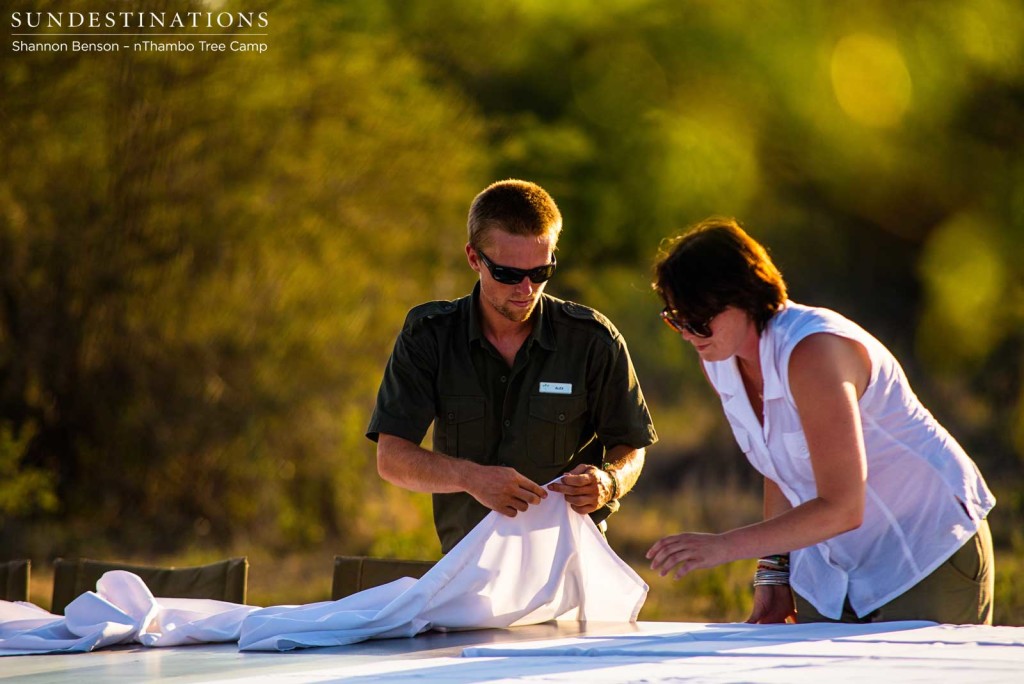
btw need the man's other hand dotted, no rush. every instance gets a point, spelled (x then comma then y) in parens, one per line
(504, 490)
(585, 487)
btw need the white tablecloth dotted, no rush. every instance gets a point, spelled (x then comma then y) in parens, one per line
(546, 563)
(883, 652)
(121, 610)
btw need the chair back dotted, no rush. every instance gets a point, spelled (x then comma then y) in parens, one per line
(224, 580)
(14, 579)
(355, 573)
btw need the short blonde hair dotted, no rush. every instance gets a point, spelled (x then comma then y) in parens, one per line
(514, 206)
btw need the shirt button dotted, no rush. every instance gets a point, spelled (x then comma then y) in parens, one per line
(508, 423)
(561, 416)
(451, 416)
(504, 379)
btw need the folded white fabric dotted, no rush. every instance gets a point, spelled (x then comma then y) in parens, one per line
(19, 618)
(547, 563)
(544, 564)
(121, 610)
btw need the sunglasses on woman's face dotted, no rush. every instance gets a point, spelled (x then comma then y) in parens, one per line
(506, 275)
(681, 325)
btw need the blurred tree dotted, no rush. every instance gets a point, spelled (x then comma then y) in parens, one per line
(203, 256)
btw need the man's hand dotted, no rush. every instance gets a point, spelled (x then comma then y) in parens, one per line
(585, 487)
(504, 490)
(501, 489)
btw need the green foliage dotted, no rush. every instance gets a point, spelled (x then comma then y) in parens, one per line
(214, 280)
(22, 490)
(1009, 595)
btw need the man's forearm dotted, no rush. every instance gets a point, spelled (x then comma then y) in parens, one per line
(412, 467)
(499, 488)
(624, 463)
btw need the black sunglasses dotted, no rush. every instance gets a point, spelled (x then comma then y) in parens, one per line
(681, 325)
(506, 275)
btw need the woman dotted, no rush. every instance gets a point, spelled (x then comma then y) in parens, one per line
(872, 511)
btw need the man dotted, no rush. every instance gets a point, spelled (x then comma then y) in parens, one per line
(521, 387)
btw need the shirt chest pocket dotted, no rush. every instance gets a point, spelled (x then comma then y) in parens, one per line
(554, 427)
(797, 465)
(796, 445)
(463, 426)
(758, 456)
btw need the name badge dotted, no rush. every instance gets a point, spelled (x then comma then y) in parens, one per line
(556, 388)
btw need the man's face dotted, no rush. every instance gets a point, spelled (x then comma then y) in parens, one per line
(513, 302)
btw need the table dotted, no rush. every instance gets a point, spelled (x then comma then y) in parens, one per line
(651, 651)
(215, 662)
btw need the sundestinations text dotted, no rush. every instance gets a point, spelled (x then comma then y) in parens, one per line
(139, 20)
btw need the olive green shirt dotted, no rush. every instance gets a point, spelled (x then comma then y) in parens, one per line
(570, 394)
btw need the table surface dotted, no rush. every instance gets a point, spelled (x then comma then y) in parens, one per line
(214, 662)
(611, 653)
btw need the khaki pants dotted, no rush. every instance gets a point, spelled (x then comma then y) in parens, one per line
(958, 592)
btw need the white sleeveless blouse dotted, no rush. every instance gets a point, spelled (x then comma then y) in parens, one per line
(925, 496)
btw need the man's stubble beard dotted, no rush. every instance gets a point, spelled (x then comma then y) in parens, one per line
(515, 316)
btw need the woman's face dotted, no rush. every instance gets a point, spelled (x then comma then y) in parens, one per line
(732, 332)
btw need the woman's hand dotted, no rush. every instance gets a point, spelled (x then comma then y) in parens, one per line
(689, 551)
(772, 604)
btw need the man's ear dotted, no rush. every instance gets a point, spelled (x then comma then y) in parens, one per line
(472, 257)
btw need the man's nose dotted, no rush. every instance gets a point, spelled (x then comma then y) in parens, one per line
(525, 286)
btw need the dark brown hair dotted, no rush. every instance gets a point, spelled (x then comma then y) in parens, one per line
(714, 265)
(514, 206)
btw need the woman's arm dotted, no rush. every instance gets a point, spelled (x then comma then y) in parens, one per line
(827, 376)
(773, 603)
(775, 502)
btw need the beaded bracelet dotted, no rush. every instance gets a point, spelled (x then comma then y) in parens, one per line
(615, 481)
(772, 571)
(775, 562)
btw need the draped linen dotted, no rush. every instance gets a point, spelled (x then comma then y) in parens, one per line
(545, 564)
(121, 610)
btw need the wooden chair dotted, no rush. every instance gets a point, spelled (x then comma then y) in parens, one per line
(224, 580)
(355, 573)
(14, 579)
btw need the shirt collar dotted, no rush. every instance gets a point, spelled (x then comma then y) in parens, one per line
(769, 369)
(543, 325)
(542, 333)
(773, 385)
(475, 333)
(733, 385)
